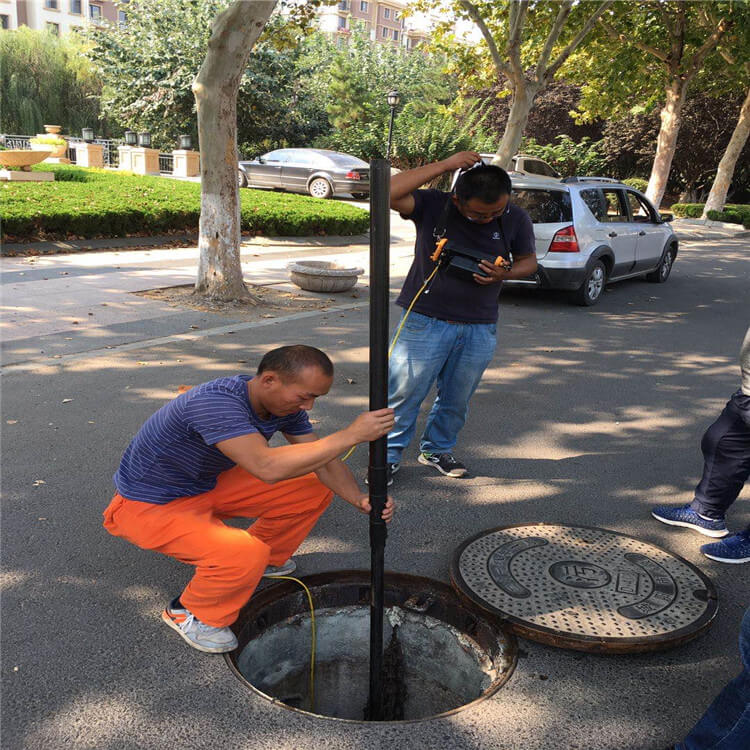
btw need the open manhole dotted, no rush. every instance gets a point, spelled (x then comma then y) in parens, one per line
(446, 655)
(585, 588)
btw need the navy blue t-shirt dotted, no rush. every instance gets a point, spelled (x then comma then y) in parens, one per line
(448, 297)
(174, 454)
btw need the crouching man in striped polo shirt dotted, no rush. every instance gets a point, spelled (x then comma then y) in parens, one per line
(204, 457)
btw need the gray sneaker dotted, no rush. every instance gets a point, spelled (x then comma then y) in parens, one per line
(199, 635)
(285, 569)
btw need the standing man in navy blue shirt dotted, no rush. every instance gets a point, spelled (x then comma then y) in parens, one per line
(204, 457)
(449, 337)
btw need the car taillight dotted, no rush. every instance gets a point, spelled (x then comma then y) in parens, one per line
(353, 176)
(565, 241)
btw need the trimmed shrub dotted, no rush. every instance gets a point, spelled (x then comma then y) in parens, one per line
(733, 213)
(637, 183)
(87, 203)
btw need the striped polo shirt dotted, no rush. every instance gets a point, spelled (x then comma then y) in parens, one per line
(174, 454)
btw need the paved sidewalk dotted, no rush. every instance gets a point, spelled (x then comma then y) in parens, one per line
(57, 305)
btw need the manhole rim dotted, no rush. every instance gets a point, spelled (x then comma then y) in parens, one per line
(591, 644)
(282, 588)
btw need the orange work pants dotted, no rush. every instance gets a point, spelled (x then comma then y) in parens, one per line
(229, 562)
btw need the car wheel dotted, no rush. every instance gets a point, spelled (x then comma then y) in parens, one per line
(360, 196)
(661, 274)
(593, 285)
(241, 178)
(320, 188)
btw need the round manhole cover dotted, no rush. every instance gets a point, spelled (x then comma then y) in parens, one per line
(585, 588)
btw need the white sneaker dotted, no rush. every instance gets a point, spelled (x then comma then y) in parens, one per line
(199, 635)
(284, 569)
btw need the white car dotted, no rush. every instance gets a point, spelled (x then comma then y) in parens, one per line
(591, 231)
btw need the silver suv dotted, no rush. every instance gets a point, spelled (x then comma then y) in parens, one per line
(591, 231)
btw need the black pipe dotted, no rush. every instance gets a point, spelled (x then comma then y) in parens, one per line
(380, 230)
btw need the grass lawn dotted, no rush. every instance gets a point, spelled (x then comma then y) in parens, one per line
(86, 203)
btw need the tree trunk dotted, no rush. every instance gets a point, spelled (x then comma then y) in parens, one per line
(233, 35)
(718, 195)
(666, 143)
(523, 100)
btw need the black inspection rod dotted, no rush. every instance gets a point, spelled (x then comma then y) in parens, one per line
(380, 236)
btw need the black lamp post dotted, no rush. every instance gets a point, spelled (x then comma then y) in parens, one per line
(87, 134)
(186, 142)
(131, 138)
(144, 140)
(393, 99)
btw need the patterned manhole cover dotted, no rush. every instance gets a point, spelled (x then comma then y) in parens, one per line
(585, 588)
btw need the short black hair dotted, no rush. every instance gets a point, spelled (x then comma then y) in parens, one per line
(289, 361)
(487, 183)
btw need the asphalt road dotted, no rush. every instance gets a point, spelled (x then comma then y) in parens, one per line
(585, 416)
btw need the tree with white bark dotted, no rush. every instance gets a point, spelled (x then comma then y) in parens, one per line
(233, 34)
(528, 42)
(679, 36)
(736, 56)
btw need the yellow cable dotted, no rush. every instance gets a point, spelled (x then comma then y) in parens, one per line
(314, 640)
(398, 333)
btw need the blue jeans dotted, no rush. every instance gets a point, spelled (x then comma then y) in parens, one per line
(429, 350)
(726, 723)
(726, 459)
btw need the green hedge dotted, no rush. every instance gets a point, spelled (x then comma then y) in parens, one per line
(88, 203)
(733, 213)
(637, 183)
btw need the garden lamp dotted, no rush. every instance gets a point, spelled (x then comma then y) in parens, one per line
(393, 99)
(87, 134)
(131, 138)
(186, 142)
(144, 140)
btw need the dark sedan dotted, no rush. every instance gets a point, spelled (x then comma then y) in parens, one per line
(316, 171)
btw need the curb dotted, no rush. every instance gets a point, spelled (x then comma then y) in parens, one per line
(59, 247)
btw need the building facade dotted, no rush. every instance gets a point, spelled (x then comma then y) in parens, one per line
(383, 21)
(60, 16)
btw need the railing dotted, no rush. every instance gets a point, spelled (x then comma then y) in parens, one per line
(110, 154)
(166, 163)
(17, 141)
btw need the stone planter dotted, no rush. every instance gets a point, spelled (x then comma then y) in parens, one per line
(57, 150)
(53, 129)
(323, 276)
(23, 158)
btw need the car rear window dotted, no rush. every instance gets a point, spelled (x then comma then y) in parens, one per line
(342, 160)
(544, 206)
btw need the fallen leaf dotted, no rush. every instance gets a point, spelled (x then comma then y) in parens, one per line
(183, 388)
(268, 315)
(42, 518)
(37, 482)
(11, 421)
(242, 361)
(67, 400)
(194, 327)
(75, 322)
(91, 313)
(68, 338)
(141, 363)
(314, 421)
(351, 381)
(91, 421)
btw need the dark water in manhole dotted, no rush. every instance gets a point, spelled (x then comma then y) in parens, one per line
(441, 654)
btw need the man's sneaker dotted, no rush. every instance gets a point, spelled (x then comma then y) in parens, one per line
(445, 463)
(285, 569)
(392, 469)
(199, 635)
(733, 549)
(684, 515)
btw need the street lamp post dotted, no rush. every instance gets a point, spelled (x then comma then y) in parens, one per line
(393, 99)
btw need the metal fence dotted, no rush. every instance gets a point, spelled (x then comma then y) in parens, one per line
(110, 154)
